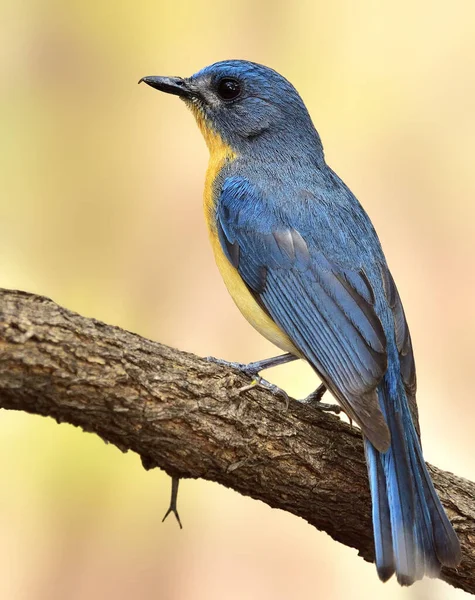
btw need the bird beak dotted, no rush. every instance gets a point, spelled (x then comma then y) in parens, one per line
(169, 85)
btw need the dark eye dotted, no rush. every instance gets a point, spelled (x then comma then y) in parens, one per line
(228, 89)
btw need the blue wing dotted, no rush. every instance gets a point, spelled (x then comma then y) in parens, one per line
(326, 308)
(319, 272)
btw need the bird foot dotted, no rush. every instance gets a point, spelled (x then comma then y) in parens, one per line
(315, 401)
(252, 370)
(259, 381)
(248, 369)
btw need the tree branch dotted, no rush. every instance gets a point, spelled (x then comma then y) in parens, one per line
(186, 415)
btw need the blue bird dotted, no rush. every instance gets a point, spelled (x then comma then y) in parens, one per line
(303, 263)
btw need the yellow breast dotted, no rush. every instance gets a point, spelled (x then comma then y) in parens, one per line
(220, 155)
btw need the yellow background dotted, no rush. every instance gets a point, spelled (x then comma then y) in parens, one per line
(100, 209)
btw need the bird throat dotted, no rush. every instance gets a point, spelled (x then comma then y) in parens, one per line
(220, 154)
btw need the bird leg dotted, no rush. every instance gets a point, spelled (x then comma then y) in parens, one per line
(256, 367)
(316, 396)
(314, 400)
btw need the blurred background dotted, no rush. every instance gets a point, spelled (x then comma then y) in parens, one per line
(101, 211)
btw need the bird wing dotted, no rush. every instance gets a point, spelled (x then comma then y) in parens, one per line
(403, 343)
(326, 309)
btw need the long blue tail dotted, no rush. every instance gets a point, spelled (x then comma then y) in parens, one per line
(412, 535)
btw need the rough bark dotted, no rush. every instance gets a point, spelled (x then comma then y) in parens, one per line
(187, 416)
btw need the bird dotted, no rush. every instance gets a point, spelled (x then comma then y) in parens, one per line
(304, 264)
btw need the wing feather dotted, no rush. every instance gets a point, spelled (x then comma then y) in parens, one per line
(327, 310)
(403, 343)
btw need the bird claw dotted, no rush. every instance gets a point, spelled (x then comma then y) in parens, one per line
(259, 381)
(317, 395)
(247, 369)
(252, 370)
(315, 401)
(274, 389)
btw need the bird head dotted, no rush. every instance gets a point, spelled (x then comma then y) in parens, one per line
(246, 105)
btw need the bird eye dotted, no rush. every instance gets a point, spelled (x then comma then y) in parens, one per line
(229, 89)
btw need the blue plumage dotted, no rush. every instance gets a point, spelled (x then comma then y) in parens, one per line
(308, 254)
(332, 301)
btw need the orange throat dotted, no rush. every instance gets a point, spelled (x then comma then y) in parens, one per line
(222, 154)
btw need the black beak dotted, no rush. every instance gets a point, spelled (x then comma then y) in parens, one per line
(169, 85)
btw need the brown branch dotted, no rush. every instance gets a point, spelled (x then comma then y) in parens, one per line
(186, 416)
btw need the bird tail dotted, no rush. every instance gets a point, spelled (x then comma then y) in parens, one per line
(412, 534)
